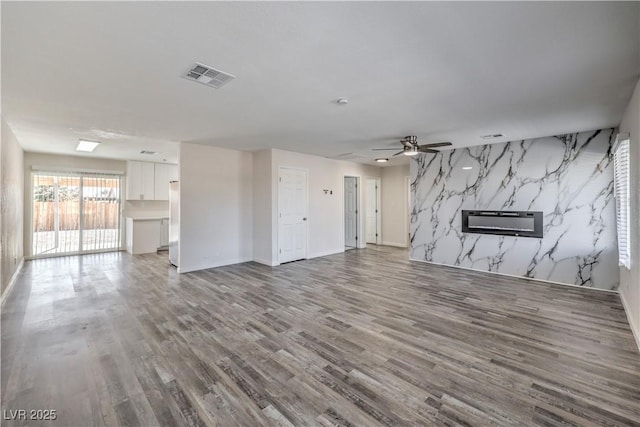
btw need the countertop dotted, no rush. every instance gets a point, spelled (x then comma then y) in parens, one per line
(146, 216)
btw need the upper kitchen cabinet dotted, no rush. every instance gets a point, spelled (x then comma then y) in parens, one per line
(173, 173)
(140, 180)
(149, 181)
(162, 182)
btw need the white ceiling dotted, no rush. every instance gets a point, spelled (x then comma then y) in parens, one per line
(111, 71)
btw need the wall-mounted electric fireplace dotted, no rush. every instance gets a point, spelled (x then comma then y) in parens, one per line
(509, 223)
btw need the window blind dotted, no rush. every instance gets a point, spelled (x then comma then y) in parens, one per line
(621, 194)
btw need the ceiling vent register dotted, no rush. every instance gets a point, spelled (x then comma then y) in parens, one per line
(209, 76)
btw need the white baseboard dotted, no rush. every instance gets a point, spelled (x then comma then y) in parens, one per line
(265, 262)
(397, 245)
(514, 276)
(325, 253)
(191, 268)
(14, 279)
(632, 325)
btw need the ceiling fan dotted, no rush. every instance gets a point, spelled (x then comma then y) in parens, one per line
(410, 146)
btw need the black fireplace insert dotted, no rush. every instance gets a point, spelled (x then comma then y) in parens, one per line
(508, 223)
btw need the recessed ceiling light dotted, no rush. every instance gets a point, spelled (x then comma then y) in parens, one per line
(466, 168)
(342, 101)
(88, 146)
(381, 160)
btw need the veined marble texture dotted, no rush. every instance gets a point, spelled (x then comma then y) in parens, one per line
(569, 178)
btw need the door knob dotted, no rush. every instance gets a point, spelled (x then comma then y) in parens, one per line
(304, 219)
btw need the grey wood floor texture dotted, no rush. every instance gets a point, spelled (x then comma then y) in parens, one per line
(363, 338)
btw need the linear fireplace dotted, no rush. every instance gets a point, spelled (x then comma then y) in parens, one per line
(509, 223)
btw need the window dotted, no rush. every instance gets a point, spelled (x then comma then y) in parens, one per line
(75, 212)
(622, 192)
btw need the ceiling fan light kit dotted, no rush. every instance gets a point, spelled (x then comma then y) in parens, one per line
(410, 151)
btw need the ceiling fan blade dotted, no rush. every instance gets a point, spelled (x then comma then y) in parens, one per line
(436, 144)
(382, 149)
(398, 153)
(425, 149)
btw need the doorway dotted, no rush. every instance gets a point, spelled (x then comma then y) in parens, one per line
(292, 214)
(350, 212)
(373, 211)
(75, 213)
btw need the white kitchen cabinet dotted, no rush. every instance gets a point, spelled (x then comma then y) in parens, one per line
(134, 180)
(173, 172)
(161, 189)
(149, 181)
(140, 180)
(143, 235)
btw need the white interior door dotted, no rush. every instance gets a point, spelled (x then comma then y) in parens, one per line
(372, 208)
(350, 211)
(292, 206)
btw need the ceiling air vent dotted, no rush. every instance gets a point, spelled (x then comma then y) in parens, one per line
(209, 76)
(492, 136)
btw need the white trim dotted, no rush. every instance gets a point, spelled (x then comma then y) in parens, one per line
(190, 269)
(395, 244)
(378, 215)
(306, 229)
(619, 138)
(36, 168)
(14, 279)
(361, 243)
(326, 253)
(265, 262)
(627, 311)
(76, 253)
(515, 276)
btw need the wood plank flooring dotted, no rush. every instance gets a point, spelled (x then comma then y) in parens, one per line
(362, 338)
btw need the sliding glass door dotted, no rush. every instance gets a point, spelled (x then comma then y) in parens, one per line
(75, 213)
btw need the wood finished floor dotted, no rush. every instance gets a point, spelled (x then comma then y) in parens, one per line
(362, 338)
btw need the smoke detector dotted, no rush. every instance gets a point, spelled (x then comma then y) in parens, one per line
(208, 76)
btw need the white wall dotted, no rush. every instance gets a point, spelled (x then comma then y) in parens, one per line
(395, 206)
(11, 205)
(215, 207)
(630, 279)
(326, 211)
(57, 162)
(262, 196)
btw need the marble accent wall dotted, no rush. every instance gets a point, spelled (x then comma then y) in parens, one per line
(568, 177)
